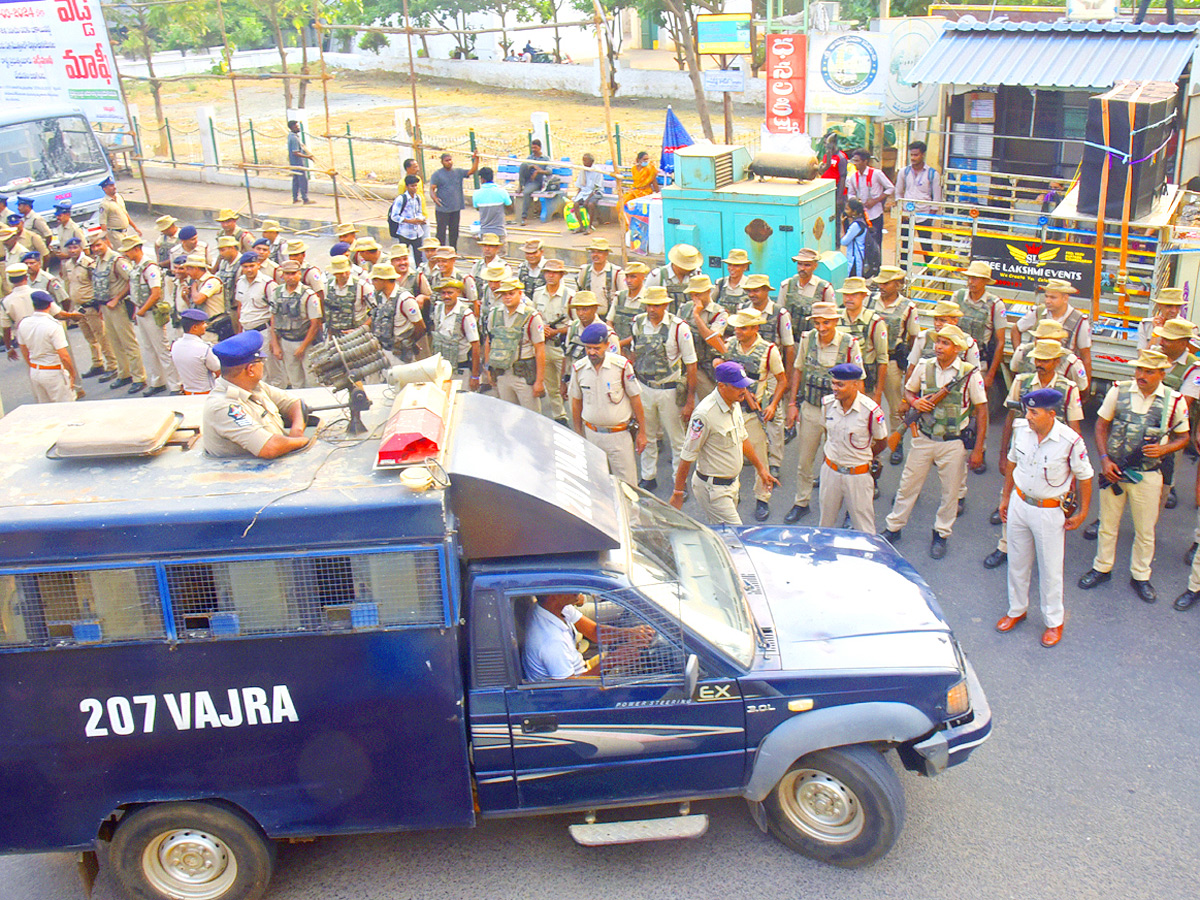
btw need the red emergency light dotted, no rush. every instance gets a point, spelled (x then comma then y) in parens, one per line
(416, 429)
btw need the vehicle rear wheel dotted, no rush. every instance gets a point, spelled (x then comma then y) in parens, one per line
(191, 851)
(844, 807)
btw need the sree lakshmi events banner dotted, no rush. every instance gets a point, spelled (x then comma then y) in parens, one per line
(785, 69)
(56, 52)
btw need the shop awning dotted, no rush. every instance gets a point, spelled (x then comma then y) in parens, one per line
(1078, 55)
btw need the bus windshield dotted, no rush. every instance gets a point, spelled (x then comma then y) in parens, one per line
(682, 567)
(44, 152)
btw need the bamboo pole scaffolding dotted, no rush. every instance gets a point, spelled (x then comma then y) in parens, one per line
(237, 109)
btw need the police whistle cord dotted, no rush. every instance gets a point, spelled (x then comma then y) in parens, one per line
(913, 414)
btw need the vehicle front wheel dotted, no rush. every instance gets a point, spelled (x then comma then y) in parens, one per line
(844, 806)
(191, 851)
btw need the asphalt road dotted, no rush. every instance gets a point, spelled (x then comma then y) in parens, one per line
(1086, 790)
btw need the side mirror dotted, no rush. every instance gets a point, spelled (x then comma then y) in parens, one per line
(691, 675)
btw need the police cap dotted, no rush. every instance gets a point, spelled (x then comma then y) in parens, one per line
(732, 374)
(239, 350)
(187, 232)
(846, 372)
(341, 248)
(596, 333)
(1042, 398)
(41, 300)
(248, 257)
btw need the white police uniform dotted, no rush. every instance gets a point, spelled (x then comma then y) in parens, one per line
(604, 392)
(714, 443)
(550, 653)
(846, 475)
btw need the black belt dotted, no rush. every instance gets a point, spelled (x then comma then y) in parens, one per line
(262, 327)
(662, 386)
(712, 479)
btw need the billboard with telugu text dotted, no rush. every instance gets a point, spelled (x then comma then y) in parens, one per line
(55, 52)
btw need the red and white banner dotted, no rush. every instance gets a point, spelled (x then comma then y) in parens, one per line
(786, 69)
(57, 52)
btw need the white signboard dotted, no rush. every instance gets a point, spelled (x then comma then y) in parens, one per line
(910, 38)
(719, 80)
(55, 52)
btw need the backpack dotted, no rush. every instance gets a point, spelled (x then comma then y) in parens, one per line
(872, 255)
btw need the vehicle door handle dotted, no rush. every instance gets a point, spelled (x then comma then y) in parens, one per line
(539, 724)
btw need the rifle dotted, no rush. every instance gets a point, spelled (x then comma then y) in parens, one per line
(1128, 467)
(910, 417)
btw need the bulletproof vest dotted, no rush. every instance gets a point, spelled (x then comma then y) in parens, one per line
(977, 317)
(277, 249)
(1070, 324)
(677, 292)
(705, 354)
(893, 318)
(862, 330)
(650, 361)
(102, 277)
(818, 383)
(1174, 377)
(531, 282)
(1029, 382)
(506, 338)
(162, 252)
(587, 275)
(139, 291)
(1131, 431)
(383, 319)
(799, 303)
(754, 361)
(291, 320)
(340, 303)
(453, 347)
(409, 282)
(949, 417)
(731, 299)
(437, 279)
(573, 347)
(769, 330)
(228, 272)
(624, 314)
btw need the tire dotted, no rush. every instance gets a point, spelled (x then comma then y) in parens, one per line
(191, 851)
(844, 807)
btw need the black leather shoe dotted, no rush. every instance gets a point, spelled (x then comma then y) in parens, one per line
(795, 514)
(120, 383)
(1186, 600)
(155, 391)
(1190, 555)
(1172, 500)
(648, 484)
(94, 371)
(137, 387)
(962, 504)
(937, 547)
(107, 376)
(1091, 578)
(762, 510)
(1091, 531)
(994, 518)
(1144, 589)
(892, 537)
(995, 559)
(897, 457)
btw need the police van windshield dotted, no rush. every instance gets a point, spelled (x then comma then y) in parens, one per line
(48, 151)
(682, 567)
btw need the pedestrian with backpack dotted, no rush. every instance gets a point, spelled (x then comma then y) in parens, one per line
(870, 187)
(858, 241)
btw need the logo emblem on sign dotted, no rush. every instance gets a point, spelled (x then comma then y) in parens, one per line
(1033, 254)
(849, 65)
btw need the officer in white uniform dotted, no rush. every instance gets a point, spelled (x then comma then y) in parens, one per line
(44, 345)
(193, 356)
(855, 433)
(605, 396)
(717, 443)
(1043, 458)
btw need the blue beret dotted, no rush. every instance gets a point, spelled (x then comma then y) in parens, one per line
(14, 218)
(240, 349)
(62, 206)
(1042, 398)
(74, 240)
(261, 242)
(107, 181)
(28, 201)
(846, 372)
(596, 333)
(247, 257)
(32, 254)
(733, 374)
(41, 300)
(187, 232)
(341, 248)
(180, 259)
(192, 316)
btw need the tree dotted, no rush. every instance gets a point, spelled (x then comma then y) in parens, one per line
(551, 11)
(503, 9)
(682, 21)
(451, 17)
(278, 15)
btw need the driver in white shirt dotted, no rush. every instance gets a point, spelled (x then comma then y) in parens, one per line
(550, 651)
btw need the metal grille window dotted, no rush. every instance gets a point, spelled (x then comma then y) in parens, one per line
(306, 594)
(634, 649)
(51, 609)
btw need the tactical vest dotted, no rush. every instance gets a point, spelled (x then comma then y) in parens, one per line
(1174, 377)
(505, 338)
(624, 314)
(769, 330)
(754, 361)
(340, 303)
(798, 305)
(573, 347)
(818, 383)
(677, 292)
(531, 282)
(139, 291)
(929, 349)
(162, 252)
(705, 354)
(383, 318)
(650, 361)
(949, 417)
(730, 300)
(1029, 382)
(586, 276)
(453, 347)
(228, 272)
(291, 319)
(1131, 431)
(1070, 324)
(863, 330)
(893, 318)
(977, 317)
(102, 276)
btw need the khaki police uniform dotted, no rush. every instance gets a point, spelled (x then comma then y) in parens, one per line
(717, 321)
(555, 312)
(113, 270)
(607, 410)
(605, 284)
(511, 355)
(714, 443)
(937, 443)
(238, 422)
(813, 361)
(154, 328)
(870, 329)
(729, 296)
(291, 315)
(763, 363)
(902, 328)
(43, 336)
(114, 217)
(1069, 365)
(1042, 472)
(1162, 416)
(778, 330)
(454, 331)
(846, 475)
(251, 300)
(659, 357)
(984, 319)
(798, 298)
(18, 305)
(77, 279)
